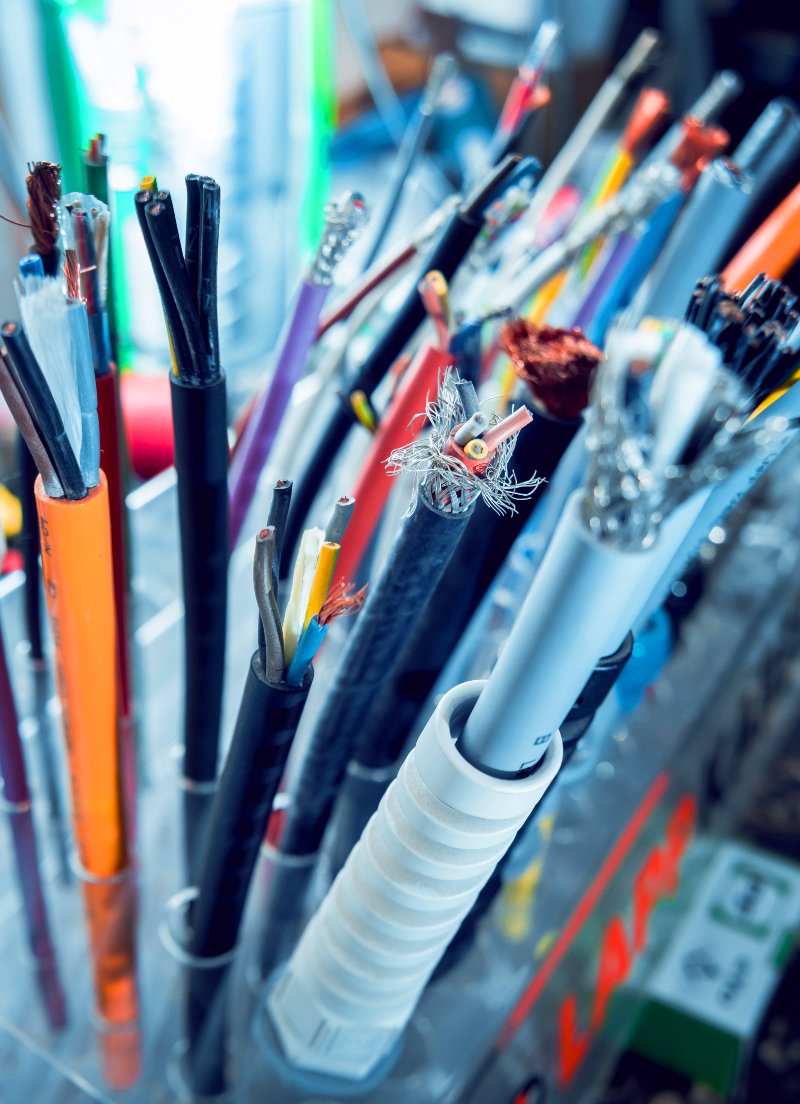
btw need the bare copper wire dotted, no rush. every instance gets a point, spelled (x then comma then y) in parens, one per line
(44, 194)
(72, 273)
(558, 365)
(342, 601)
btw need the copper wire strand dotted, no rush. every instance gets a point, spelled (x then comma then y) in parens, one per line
(44, 192)
(557, 365)
(273, 656)
(22, 416)
(24, 225)
(72, 273)
(342, 601)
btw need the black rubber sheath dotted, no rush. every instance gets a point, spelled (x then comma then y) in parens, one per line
(417, 559)
(199, 420)
(265, 727)
(451, 605)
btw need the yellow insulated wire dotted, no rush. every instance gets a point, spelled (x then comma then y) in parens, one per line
(617, 170)
(777, 394)
(321, 583)
(544, 299)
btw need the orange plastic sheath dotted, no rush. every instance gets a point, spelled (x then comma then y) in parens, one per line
(79, 584)
(773, 248)
(79, 587)
(397, 427)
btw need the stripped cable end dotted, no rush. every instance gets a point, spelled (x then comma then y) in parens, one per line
(449, 478)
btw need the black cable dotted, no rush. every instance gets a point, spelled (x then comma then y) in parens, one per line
(199, 417)
(163, 228)
(454, 243)
(207, 286)
(265, 727)
(32, 382)
(415, 563)
(469, 574)
(180, 347)
(194, 217)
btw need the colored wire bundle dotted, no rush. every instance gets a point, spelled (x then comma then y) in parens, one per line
(85, 225)
(344, 222)
(658, 441)
(456, 239)
(272, 704)
(558, 367)
(52, 396)
(188, 290)
(451, 479)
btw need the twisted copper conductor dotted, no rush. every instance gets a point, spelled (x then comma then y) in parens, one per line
(558, 365)
(342, 602)
(44, 195)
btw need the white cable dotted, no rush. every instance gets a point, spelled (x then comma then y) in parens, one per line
(354, 979)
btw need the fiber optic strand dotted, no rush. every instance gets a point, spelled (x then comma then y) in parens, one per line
(48, 379)
(462, 460)
(275, 693)
(188, 290)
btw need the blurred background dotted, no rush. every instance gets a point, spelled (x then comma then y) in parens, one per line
(281, 100)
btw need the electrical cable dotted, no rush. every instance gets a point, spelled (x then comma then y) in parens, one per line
(199, 418)
(457, 237)
(344, 221)
(442, 503)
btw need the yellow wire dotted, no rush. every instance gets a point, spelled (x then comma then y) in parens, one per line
(777, 394)
(616, 172)
(323, 576)
(544, 299)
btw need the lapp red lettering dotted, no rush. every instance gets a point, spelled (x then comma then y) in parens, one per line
(613, 968)
(572, 1046)
(657, 878)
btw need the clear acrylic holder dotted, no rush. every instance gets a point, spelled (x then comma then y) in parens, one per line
(173, 935)
(460, 1016)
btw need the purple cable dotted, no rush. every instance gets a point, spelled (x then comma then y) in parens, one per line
(262, 426)
(622, 249)
(17, 800)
